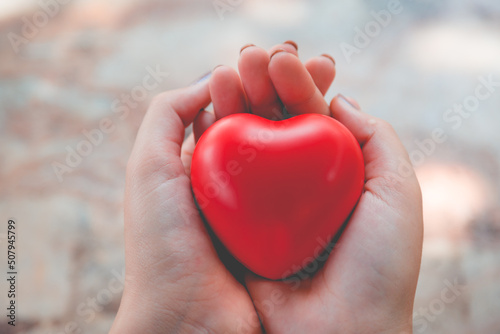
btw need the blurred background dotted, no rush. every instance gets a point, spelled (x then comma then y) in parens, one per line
(72, 97)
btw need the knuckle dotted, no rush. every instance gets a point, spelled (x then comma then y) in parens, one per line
(385, 126)
(151, 167)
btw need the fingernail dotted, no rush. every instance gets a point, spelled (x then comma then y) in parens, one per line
(203, 78)
(246, 46)
(329, 57)
(343, 99)
(277, 51)
(216, 67)
(292, 43)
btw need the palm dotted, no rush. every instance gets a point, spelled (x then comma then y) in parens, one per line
(372, 267)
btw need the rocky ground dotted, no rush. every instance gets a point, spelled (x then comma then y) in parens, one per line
(64, 66)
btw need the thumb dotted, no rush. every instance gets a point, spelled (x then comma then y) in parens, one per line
(155, 157)
(385, 231)
(387, 165)
(159, 207)
(392, 196)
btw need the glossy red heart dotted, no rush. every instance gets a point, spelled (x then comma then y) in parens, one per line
(276, 192)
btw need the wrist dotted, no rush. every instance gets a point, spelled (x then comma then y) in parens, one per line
(155, 314)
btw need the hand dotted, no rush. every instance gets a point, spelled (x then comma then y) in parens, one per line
(175, 281)
(368, 282)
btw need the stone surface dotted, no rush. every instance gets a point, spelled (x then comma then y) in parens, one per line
(63, 79)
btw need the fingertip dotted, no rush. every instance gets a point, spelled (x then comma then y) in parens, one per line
(292, 43)
(347, 112)
(350, 101)
(275, 52)
(287, 46)
(218, 72)
(253, 50)
(253, 67)
(322, 70)
(185, 102)
(295, 86)
(326, 55)
(162, 132)
(246, 46)
(226, 90)
(341, 104)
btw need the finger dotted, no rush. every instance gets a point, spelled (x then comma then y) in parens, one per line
(295, 86)
(322, 70)
(361, 261)
(288, 46)
(389, 211)
(226, 90)
(187, 151)
(272, 295)
(159, 140)
(155, 162)
(386, 160)
(201, 123)
(168, 249)
(259, 88)
(351, 101)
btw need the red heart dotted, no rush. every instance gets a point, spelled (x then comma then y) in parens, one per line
(276, 192)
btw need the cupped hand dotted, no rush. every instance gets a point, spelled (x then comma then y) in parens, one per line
(175, 282)
(367, 283)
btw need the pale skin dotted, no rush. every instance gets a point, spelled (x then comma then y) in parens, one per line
(175, 281)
